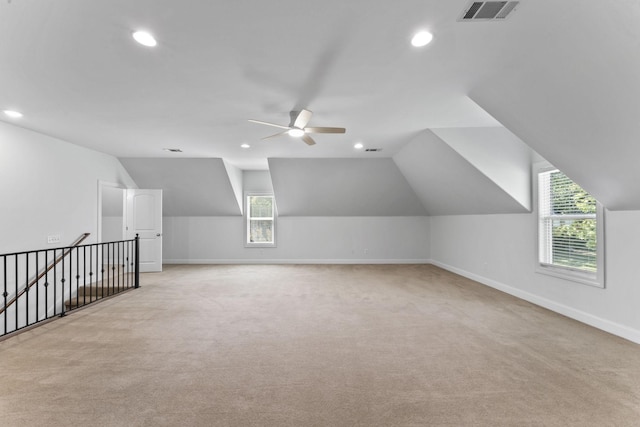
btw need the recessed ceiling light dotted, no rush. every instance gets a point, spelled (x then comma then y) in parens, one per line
(144, 38)
(296, 132)
(245, 146)
(421, 38)
(359, 146)
(12, 114)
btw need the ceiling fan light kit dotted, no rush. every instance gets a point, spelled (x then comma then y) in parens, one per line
(145, 38)
(298, 127)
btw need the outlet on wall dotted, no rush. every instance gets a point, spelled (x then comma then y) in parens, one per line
(53, 238)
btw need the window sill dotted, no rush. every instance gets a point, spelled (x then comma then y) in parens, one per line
(260, 245)
(571, 275)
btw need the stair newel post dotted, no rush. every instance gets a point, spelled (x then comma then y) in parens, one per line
(137, 265)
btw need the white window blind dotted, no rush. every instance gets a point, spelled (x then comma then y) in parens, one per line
(568, 225)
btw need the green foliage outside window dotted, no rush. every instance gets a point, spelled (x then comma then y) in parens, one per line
(573, 240)
(261, 206)
(261, 219)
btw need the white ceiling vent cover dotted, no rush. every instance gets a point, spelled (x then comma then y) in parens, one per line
(488, 10)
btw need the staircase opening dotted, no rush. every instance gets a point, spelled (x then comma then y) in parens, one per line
(39, 285)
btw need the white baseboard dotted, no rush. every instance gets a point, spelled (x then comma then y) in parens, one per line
(296, 261)
(581, 316)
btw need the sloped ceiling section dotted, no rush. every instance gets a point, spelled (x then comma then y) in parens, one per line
(342, 187)
(575, 95)
(236, 179)
(447, 184)
(191, 187)
(498, 154)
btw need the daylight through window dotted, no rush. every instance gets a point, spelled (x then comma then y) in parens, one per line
(260, 220)
(568, 225)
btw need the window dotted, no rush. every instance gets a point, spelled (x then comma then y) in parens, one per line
(261, 224)
(570, 235)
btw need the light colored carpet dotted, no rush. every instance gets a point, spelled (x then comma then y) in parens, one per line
(317, 346)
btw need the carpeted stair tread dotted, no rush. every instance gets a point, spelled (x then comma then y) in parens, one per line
(79, 301)
(87, 294)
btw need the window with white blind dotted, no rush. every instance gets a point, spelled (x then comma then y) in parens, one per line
(261, 221)
(570, 235)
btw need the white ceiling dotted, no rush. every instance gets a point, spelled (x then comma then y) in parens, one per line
(562, 76)
(73, 69)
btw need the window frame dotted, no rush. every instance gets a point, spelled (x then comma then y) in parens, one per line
(248, 219)
(596, 278)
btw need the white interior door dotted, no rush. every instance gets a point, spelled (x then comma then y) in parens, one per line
(144, 217)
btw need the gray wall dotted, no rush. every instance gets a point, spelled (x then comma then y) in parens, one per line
(500, 251)
(300, 239)
(49, 186)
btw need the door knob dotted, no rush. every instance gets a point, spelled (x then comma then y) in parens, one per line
(159, 234)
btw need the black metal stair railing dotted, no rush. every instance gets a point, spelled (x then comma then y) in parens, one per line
(42, 284)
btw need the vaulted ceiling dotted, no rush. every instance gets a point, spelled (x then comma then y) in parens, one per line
(191, 187)
(342, 187)
(557, 77)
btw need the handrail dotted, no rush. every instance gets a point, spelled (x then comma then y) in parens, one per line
(79, 240)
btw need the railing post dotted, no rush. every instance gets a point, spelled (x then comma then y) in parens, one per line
(137, 265)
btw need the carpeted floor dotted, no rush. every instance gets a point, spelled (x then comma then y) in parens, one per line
(317, 345)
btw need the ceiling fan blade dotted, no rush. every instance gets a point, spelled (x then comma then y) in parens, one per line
(303, 119)
(325, 130)
(276, 134)
(268, 124)
(306, 138)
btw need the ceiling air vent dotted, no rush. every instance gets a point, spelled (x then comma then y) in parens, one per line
(373, 149)
(488, 10)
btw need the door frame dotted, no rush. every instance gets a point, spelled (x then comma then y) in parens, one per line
(101, 185)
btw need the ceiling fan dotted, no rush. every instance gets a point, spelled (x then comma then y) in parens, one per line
(298, 127)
